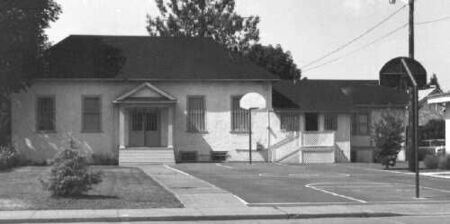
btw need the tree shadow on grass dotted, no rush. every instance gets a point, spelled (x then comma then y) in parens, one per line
(93, 197)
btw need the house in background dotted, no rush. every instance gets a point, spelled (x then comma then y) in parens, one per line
(143, 99)
(333, 118)
(443, 100)
(428, 111)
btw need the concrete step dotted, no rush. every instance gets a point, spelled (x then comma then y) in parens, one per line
(146, 156)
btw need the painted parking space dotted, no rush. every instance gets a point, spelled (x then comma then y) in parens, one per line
(278, 184)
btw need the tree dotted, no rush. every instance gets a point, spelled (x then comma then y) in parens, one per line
(22, 42)
(218, 20)
(388, 137)
(204, 18)
(275, 60)
(434, 82)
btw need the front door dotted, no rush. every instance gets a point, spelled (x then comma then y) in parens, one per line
(145, 128)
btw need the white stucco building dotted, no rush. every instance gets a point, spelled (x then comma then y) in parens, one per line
(155, 100)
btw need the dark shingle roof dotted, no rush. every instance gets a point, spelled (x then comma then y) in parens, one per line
(334, 95)
(144, 57)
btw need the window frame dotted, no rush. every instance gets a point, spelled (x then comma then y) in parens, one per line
(356, 124)
(37, 112)
(188, 126)
(294, 113)
(100, 117)
(232, 129)
(333, 115)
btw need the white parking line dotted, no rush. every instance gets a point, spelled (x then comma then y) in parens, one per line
(228, 167)
(333, 193)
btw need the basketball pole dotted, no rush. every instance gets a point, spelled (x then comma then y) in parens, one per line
(250, 135)
(415, 118)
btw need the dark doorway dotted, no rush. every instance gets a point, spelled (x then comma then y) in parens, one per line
(311, 121)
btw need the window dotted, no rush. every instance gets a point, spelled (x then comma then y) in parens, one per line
(289, 121)
(239, 116)
(360, 124)
(311, 121)
(136, 120)
(91, 114)
(196, 114)
(331, 122)
(45, 114)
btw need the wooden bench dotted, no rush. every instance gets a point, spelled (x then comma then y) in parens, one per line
(219, 156)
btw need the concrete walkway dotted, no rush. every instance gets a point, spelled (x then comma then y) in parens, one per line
(191, 191)
(204, 201)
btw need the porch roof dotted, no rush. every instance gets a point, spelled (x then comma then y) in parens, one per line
(145, 93)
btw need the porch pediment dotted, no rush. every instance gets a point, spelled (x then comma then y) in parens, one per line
(145, 93)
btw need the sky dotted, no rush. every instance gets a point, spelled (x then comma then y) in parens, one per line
(309, 29)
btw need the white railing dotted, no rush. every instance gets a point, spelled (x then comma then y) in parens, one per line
(318, 139)
(284, 147)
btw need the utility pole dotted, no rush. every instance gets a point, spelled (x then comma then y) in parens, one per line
(413, 160)
(411, 29)
(414, 104)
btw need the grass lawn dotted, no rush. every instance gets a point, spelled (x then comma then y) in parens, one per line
(122, 187)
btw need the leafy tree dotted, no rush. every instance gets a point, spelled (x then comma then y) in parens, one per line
(388, 137)
(218, 20)
(22, 41)
(275, 60)
(204, 18)
(434, 82)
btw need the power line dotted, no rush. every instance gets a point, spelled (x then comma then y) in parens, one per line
(433, 21)
(358, 49)
(356, 38)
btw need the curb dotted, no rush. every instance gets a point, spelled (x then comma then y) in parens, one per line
(201, 218)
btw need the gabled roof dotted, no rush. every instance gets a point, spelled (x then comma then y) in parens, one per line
(439, 98)
(148, 58)
(424, 94)
(334, 95)
(145, 93)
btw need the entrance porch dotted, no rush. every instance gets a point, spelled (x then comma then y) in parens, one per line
(146, 126)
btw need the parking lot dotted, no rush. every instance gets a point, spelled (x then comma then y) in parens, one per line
(279, 184)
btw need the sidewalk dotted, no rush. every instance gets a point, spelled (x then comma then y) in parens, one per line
(204, 201)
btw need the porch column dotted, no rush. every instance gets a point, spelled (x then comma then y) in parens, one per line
(121, 127)
(321, 122)
(170, 121)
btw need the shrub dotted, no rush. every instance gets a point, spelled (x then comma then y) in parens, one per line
(388, 138)
(9, 157)
(104, 159)
(431, 161)
(444, 162)
(70, 175)
(423, 152)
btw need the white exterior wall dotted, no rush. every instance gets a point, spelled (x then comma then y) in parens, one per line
(447, 128)
(68, 100)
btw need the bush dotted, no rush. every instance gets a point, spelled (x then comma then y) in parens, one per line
(431, 161)
(423, 152)
(388, 138)
(70, 175)
(444, 162)
(104, 159)
(9, 157)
